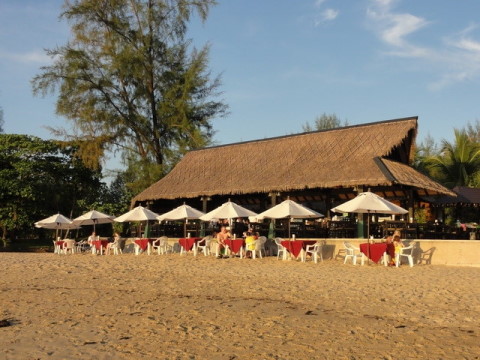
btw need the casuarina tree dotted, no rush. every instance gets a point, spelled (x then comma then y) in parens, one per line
(129, 79)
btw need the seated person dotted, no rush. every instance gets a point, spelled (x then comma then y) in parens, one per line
(390, 248)
(397, 243)
(92, 238)
(88, 244)
(222, 235)
(249, 244)
(394, 244)
(116, 242)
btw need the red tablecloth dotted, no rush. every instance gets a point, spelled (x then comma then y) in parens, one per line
(143, 243)
(373, 251)
(235, 244)
(99, 243)
(391, 250)
(295, 247)
(187, 243)
(59, 243)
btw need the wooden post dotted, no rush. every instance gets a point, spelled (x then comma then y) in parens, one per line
(204, 203)
(411, 205)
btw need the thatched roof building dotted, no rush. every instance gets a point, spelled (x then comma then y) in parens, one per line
(465, 197)
(314, 165)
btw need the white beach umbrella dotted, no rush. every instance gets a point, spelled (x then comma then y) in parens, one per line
(183, 212)
(367, 203)
(93, 217)
(56, 222)
(139, 214)
(228, 210)
(291, 210)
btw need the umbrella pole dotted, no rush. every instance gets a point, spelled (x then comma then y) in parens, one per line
(368, 237)
(185, 228)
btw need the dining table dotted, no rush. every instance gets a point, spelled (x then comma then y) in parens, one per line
(98, 246)
(143, 244)
(374, 251)
(235, 245)
(296, 247)
(189, 244)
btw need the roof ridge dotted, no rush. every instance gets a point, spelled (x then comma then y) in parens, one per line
(310, 132)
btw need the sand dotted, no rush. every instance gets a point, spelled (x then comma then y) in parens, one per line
(84, 306)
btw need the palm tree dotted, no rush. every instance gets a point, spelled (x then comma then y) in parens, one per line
(458, 163)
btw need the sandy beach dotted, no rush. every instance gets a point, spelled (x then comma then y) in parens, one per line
(183, 307)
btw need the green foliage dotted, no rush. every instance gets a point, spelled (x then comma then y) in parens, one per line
(420, 215)
(425, 150)
(473, 131)
(324, 122)
(39, 178)
(453, 164)
(458, 163)
(129, 80)
(140, 174)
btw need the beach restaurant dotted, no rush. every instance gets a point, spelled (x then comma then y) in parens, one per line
(319, 169)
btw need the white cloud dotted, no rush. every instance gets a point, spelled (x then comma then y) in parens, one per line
(318, 3)
(324, 16)
(458, 60)
(469, 45)
(32, 57)
(330, 14)
(393, 28)
(461, 56)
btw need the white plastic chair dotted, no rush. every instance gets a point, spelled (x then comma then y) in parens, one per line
(94, 248)
(353, 252)
(82, 246)
(405, 252)
(68, 246)
(280, 248)
(115, 246)
(162, 246)
(56, 248)
(204, 245)
(217, 249)
(156, 245)
(259, 247)
(315, 251)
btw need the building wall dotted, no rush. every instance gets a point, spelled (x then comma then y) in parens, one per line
(434, 252)
(427, 252)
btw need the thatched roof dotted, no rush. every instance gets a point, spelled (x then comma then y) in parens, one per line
(374, 154)
(465, 196)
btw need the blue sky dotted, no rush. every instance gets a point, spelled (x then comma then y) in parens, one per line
(285, 62)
